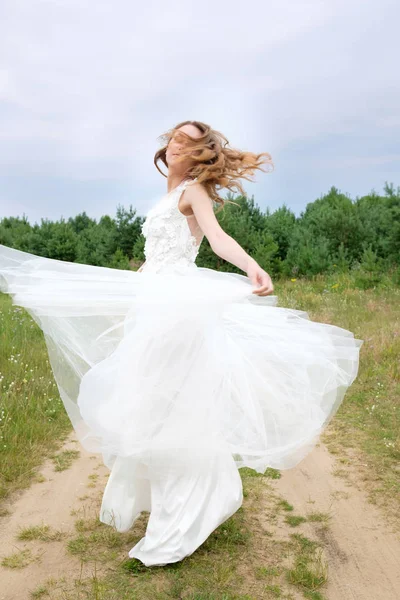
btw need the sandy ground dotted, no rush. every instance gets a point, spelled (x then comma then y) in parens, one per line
(363, 553)
(49, 502)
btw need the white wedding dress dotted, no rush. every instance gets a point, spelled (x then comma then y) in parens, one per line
(178, 375)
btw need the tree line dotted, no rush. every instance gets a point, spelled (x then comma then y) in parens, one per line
(333, 233)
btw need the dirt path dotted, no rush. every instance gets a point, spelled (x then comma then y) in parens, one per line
(49, 502)
(362, 552)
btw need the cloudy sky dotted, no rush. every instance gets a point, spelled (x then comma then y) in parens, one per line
(86, 88)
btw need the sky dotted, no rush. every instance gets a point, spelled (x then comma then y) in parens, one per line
(87, 88)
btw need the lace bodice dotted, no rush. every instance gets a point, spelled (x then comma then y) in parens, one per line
(170, 244)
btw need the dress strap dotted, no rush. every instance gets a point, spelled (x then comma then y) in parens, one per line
(185, 183)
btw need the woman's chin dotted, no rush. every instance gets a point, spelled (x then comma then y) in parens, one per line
(179, 167)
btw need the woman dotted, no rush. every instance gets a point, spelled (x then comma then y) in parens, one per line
(180, 375)
(214, 165)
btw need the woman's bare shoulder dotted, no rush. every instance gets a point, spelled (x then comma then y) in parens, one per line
(197, 192)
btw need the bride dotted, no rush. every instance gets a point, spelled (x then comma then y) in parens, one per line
(211, 163)
(180, 375)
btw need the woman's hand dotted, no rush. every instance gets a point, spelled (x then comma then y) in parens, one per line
(259, 278)
(141, 268)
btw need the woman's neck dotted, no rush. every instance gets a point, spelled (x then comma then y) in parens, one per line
(174, 181)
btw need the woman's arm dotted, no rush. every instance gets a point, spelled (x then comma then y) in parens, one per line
(223, 244)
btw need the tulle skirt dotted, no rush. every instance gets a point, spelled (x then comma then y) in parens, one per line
(181, 377)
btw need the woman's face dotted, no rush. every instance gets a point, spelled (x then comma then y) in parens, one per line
(175, 147)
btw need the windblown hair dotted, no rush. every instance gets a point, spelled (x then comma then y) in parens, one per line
(215, 163)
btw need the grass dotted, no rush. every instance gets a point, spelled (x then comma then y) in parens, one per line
(63, 460)
(40, 592)
(319, 517)
(267, 572)
(285, 505)
(18, 560)
(294, 520)
(33, 421)
(269, 472)
(43, 533)
(309, 571)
